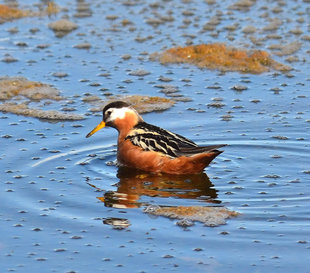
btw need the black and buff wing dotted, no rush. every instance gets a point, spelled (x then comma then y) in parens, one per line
(153, 138)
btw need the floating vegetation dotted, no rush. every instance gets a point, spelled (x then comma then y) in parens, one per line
(23, 109)
(8, 13)
(62, 27)
(52, 8)
(242, 5)
(221, 57)
(285, 49)
(12, 89)
(210, 216)
(143, 104)
(19, 86)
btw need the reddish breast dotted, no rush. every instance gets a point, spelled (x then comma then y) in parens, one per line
(134, 156)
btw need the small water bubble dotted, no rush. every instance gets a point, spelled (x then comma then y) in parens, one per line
(60, 74)
(139, 72)
(168, 256)
(60, 250)
(110, 163)
(37, 229)
(7, 136)
(41, 259)
(54, 151)
(76, 237)
(239, 88)
(275, 176)
(198, 249)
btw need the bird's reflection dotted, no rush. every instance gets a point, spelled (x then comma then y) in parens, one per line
(133, 184)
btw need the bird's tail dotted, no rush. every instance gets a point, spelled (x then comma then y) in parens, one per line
(200, 150)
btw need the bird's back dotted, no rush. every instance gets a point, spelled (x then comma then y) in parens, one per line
(152, 138)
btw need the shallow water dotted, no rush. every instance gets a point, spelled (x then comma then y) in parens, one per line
(60, 192)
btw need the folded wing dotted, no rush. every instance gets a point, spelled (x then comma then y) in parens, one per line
(153, 138)
(200, 149)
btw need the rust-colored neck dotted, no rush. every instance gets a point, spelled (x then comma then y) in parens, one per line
(125, 124)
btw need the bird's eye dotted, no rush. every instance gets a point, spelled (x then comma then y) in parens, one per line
(108, 113)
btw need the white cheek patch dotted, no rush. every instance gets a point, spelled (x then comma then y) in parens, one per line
(119, 113)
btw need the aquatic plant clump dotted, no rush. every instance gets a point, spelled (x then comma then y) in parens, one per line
(11, 87)
(23, 109)
(62, 27)
(8, 13)
(210, 216)
(221, 57)
(143, 104)
(146, 104)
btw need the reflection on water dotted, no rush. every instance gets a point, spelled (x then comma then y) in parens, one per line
(117, 223)
(134, 184)
(52, 220)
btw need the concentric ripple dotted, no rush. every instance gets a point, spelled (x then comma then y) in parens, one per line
(262, 180)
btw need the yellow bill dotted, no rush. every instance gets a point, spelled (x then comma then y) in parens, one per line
(96, 129)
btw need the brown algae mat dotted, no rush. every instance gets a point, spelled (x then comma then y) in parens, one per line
(222, 57)
(17, 92)
(8, 13)
(209, 216)
(24, 110)
(11, 87)
(143, 104)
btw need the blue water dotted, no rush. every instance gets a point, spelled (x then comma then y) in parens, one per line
(54, 180)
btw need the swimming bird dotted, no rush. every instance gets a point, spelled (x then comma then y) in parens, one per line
(150, 148)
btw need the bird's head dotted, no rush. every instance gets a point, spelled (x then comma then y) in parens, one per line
(119, 115)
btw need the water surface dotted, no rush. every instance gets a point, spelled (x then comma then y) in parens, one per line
(60, 192)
